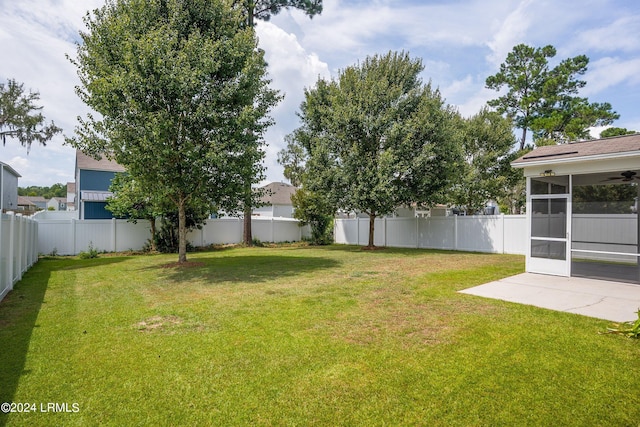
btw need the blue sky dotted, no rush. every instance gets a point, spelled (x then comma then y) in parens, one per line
(460, 43)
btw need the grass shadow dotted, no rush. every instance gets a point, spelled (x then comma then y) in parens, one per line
(382, 251)
(244, 268)
(19, 312)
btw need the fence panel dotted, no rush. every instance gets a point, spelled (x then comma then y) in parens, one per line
(437, 233)
(18, 249)
(70, 237)
(500, 233)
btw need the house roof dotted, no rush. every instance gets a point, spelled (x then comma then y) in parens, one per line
(278, 193)
(86, 162)
(10, 169)
(34, 199)
(24, 201)
(614, 147)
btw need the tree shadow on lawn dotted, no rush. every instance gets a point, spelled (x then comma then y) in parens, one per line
(244, 268)
(18, 314)
(381, 251)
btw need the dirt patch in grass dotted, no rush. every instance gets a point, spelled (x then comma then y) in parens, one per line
(158, 323)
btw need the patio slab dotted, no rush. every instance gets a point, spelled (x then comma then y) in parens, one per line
(614, 301)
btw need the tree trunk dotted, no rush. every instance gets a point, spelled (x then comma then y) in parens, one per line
(523, 139)
(152, 221)
(372, 224)
(247, 235)
(182, 232)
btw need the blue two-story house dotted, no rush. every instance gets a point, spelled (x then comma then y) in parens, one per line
(93, 178)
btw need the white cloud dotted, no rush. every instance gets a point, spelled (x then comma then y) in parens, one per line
(510, 32)
(292, 69)
(617, 35)
(607, 72)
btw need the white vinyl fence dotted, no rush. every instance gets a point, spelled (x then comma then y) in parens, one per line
(72, 236)
(18, 249)
(497, 234)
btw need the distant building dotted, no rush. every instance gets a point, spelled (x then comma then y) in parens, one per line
(93, 179)
(277, 200)
(8, 188)
(71, 196)
(57, 204)
(26, 206)
(39, 201)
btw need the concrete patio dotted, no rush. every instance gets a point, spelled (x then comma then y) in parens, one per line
(601, 299)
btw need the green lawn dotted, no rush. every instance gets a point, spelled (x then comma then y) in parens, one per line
(303, 336)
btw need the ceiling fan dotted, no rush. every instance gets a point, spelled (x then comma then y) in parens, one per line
(626, 176)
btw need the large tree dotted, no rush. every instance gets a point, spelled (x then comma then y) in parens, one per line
(21, 118)
(544, 99)
(487, 140)
(253, 170)
(378, 137)
(178, 86)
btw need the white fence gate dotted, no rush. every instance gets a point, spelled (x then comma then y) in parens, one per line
(498, 234)
(18, 249)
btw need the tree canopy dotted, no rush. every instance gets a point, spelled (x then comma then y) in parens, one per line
(56, 190)
(615, 131)
(253, 170)
(543, 99)
(180, 89)
(21, 118)
(377, 137)
(265, 9)
(485, 173)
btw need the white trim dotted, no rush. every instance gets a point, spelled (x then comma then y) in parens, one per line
(604, 252)
(595, 157)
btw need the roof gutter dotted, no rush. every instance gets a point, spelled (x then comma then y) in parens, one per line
(579, 159)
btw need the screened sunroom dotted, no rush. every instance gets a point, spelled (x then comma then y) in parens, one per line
(582, 209)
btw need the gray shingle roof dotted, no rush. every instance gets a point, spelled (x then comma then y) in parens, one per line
(89, 163)
(628, 144)
(278, 193)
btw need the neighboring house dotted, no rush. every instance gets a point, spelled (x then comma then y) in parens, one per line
(277, 200)
(57, 203)
(71, 196)
(8, 188)
(25, 205)
(39, 201)
(93, 178)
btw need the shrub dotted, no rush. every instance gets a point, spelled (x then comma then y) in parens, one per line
(91, 253)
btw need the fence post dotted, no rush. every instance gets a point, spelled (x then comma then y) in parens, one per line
(455, 232)
(502, 231)
(272, 225)
(12, 238)
(417, 232)
(73, 237)
(21, 243)
(357, 229)
(385, 232)
(113, 234)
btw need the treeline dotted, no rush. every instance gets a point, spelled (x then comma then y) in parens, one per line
(56, 190)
